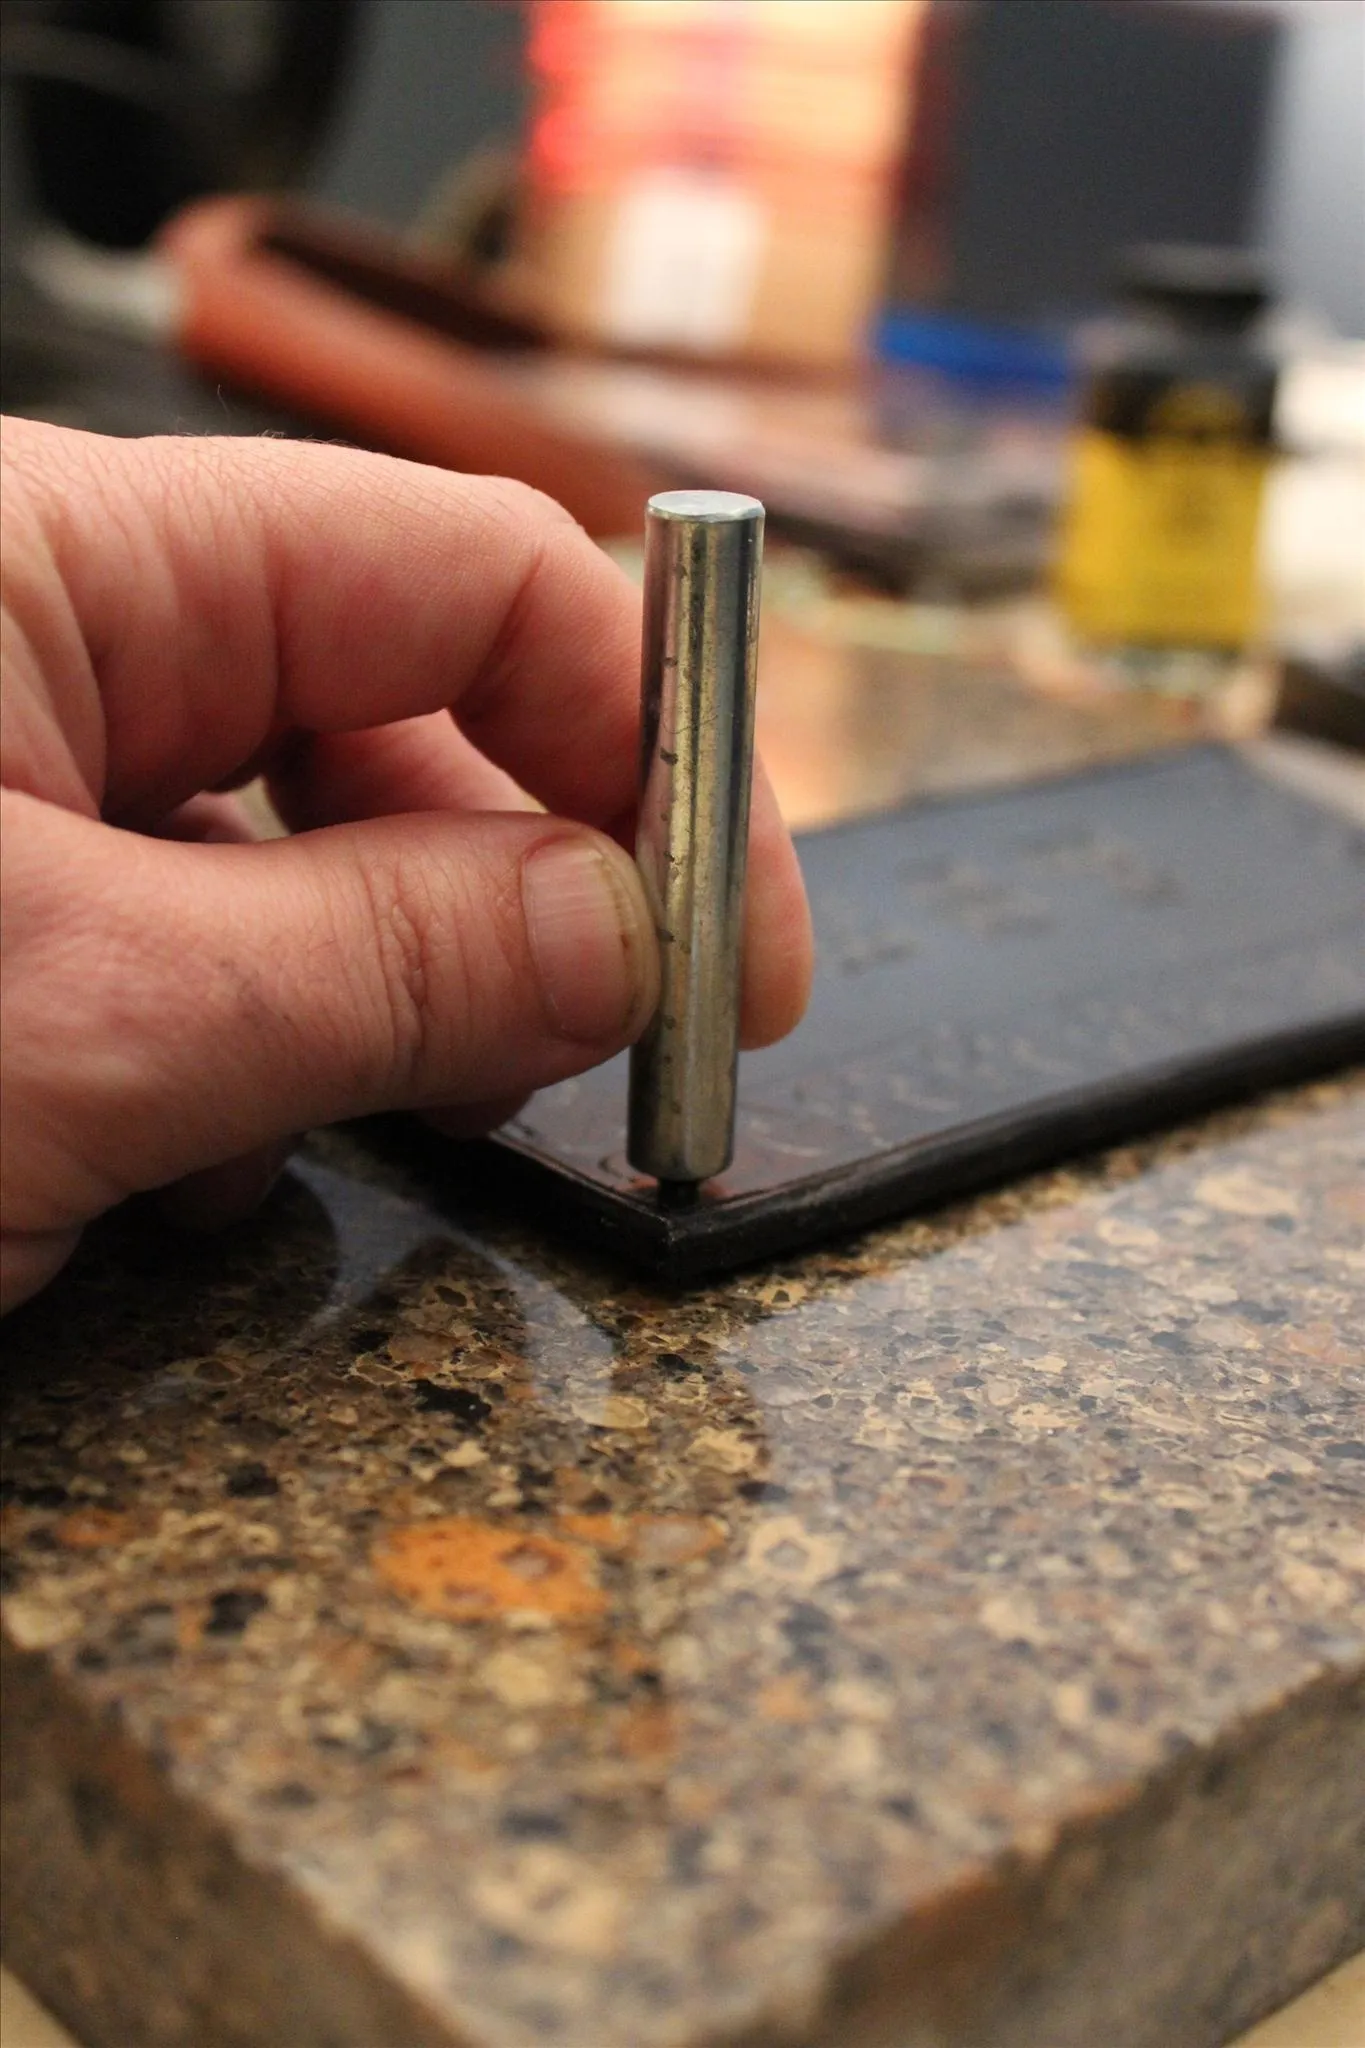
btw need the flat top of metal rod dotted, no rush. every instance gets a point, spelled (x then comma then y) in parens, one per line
(719, 506)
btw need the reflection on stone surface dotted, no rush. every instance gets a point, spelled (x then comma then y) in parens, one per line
(847, 729)
(866, 701)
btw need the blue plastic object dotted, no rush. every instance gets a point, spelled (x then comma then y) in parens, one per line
(969, 350)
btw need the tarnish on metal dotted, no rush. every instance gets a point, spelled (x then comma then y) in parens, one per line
(703, 557)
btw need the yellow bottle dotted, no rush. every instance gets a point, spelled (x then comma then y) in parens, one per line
(1159, 538)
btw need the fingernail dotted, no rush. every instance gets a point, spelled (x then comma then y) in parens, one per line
(588, 939)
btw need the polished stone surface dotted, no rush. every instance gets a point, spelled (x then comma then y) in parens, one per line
(420, 1636)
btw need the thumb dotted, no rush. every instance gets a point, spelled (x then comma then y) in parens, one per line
(169, 1007)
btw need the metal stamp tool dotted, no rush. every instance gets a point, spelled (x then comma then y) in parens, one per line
(703, 555)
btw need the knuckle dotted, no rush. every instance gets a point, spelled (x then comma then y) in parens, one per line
(89, 1020)
(526, 508)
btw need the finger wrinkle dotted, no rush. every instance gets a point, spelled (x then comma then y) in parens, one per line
(403, 919)
(47, 667)
(601, 714)
(501, 653)
(391, 582)
(183, 648)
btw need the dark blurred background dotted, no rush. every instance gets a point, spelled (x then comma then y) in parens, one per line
(862, 258)
(1151, 118)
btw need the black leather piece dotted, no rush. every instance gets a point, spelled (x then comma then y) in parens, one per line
(1003, 980)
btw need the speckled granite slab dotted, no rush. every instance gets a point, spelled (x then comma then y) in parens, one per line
(1002, 980)
(416, 1637)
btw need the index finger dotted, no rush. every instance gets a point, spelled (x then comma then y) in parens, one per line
(229, 588)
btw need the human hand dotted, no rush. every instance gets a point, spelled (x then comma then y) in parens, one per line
(179, 1003)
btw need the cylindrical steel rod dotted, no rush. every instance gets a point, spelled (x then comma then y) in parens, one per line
(703, 555)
